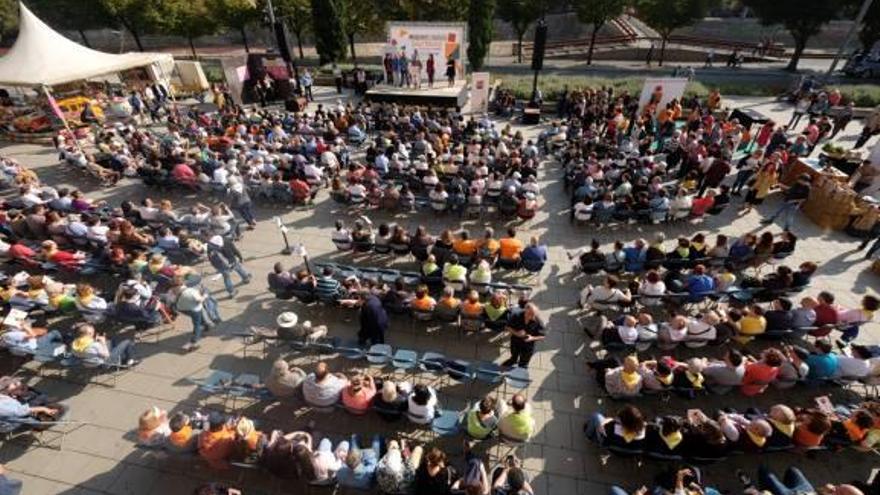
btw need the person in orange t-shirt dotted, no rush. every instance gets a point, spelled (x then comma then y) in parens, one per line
(423, 301)
(217, 443)
(472, 305)
(464, 246)
(510, 247)
(489, 245)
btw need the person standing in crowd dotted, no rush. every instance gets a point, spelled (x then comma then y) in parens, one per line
(337, 78)
(650, 56)
(241, 202)
(226, 258)
(794, 197)
(430, 68)
(525, 329)
(403, 68)
(306, 81)
(374, 322)
(195, 302)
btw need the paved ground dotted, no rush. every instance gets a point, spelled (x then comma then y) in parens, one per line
(100, 457)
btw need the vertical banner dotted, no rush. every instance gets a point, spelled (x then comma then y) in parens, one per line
(660, 91)
(480, 92)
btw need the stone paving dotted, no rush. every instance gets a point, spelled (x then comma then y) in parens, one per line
(99, 456)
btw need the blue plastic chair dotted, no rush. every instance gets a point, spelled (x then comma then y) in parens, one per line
(489, 372)
(405, 359)
(518, 378)
(350, 350)
(445, 423)
(460, 371)
(379, 354)
(218, 381)
(433, 361)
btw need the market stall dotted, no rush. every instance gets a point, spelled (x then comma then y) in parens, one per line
(45, 63)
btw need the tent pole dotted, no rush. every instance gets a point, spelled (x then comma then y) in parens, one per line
(60, 115)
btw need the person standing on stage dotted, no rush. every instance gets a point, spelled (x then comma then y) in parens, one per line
(525, 329)
(416, 70)
(403, 68)
(430, 68)
(450, 71)
(389, 69)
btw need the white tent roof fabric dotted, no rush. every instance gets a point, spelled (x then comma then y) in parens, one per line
(41, 56)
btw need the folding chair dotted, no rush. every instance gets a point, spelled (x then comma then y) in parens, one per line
(379, 354)
(517, 378)
(404, 360)
(433, 362)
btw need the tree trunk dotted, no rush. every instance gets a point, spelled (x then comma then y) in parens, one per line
(85, 39)
(354, 59)
(592, 43)
(244, 39)
(662, 50)
(519, 46)
(134, 34)
(192, 47)
(800, 43)
(299, 44)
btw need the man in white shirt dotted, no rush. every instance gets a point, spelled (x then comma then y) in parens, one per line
(322, 388)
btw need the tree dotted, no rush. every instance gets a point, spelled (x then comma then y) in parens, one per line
(597, 13)
(329, 30)
(138, 17)
(520, 14)
(298, 16)
(8, 19)
(426, 10)
(803, 19)
(190, 19)
(870, 31)
(359, 17)
(480, 16)
(236, 15)
(665, 16)
(79, 16)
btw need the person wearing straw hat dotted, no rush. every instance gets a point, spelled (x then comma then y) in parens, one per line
(289, 330)
(153, 429)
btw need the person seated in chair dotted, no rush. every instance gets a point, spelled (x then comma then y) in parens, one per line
(627, 430)
(482, 419)
(665, 437)
(36, 339)
(153, 429)
(535, 254)
(95, 349)
(510, 249)
(15, 406)
(448, 302)
(516, 421)
(359, 393)
(453, 271)
(280, 281)
(322, 388)
(423, 300)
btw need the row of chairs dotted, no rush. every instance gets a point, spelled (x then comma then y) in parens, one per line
(672, 264)
(413, 279)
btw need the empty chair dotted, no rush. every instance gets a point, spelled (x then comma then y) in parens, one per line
(379, 354)
(350, 350)
(433, 362)
(405, 359)
(445, 423)
(489, 372)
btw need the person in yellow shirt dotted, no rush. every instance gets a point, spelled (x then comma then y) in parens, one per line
(464, 246)
(510, 248)
(423, 301)
(752, 323)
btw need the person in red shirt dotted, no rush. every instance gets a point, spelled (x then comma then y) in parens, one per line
(19, 251)
(699, 206)
(759, 374)
(300, 190)
(63, 258)
(184, 174)
(826, 311)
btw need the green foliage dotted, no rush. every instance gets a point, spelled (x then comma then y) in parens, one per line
(597, 13)
(8, 19)
(80, 15)
(665, 16)
(234, 14)
(360, 17)
(870, 32)
(139, 17)
(298, 16)
(520, 14)
(190, 19)
(480, 16)
(327, 24)
(426, 10)
(803, 19)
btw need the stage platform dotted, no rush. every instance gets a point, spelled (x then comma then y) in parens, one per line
(439, 95)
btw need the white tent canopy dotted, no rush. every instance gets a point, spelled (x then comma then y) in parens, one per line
(41, 56)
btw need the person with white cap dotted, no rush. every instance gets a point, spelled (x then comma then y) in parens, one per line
(226, 258)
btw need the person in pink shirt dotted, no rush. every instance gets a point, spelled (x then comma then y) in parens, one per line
(857, 316)
(359, 393)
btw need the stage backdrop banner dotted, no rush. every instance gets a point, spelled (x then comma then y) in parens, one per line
(480, 92)
(664, 89)
(442, 39)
